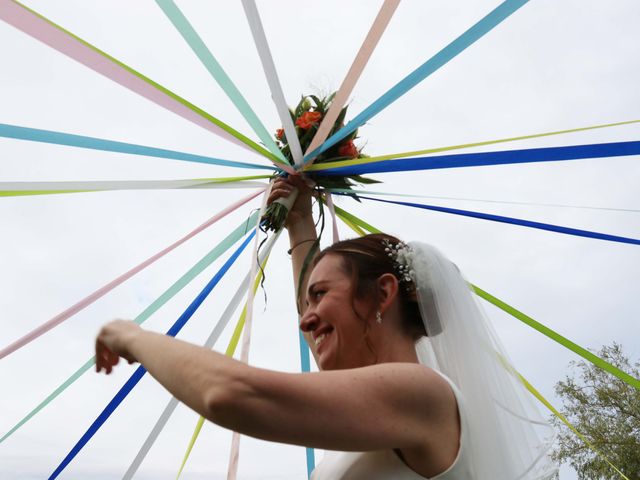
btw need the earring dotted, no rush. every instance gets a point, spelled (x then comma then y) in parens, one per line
(378, 317)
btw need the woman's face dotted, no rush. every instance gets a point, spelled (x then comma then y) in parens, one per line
(337, 334)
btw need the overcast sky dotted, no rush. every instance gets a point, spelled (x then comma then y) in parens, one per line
(551, 66)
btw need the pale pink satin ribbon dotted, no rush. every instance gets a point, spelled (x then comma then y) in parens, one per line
(61, 317)
(332, 211)
(30, 23)
(368, 46)
(234, 455)
(340, 99)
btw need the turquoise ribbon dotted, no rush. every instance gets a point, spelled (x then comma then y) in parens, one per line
(194, 41)
(182, 282)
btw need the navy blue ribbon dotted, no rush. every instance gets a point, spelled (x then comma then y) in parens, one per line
(513, 221)
(529, 155)
(140, 371)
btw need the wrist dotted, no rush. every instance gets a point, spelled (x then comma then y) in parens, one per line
(133, 339)
(300, 223)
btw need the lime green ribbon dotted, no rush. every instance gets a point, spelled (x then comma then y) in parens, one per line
(231, 348)
(205, 56)
(565, 342)
(564, 420)
(393, 156)
(197, 110)
(355, 224)
(14, 189)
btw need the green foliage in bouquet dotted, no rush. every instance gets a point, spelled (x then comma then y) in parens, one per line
(307, 117)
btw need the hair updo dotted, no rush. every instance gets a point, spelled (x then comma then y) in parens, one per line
(365, 260)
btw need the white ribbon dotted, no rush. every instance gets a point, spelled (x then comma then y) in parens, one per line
(260, 39)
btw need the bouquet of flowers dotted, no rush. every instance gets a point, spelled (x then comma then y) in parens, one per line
(307, 117)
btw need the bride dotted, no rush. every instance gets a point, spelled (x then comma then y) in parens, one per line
(412, 383)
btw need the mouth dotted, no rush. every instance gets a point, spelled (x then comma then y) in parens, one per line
(320, 339)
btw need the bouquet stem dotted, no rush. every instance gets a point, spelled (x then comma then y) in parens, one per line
(277, 212)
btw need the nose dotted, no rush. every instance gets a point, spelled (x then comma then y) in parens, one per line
(309, 322)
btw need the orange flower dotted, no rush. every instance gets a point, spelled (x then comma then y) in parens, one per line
(348, 149)
(280, 133)
(308, 119)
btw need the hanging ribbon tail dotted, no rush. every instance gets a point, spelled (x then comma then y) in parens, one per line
(332, 212)
(209, 343)
(195, 42)
(508, 157)
(235, 336)
(93, 143)
(140, 371)
(246, 337)
(477, 31)
(515, 221)
(37, 26)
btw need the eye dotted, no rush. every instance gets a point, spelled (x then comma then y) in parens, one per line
(316, 295)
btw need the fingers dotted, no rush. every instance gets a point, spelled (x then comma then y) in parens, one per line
(112, 343)
(105, 358)
(281, 189)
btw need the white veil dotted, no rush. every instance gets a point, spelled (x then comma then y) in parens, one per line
(507, 438)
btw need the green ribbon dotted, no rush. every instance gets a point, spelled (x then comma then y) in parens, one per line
(198, 46)
(565, 342)
(247, 141)
(415, 153)
(192, 273)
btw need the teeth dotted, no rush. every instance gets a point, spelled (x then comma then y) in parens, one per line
(320, 339)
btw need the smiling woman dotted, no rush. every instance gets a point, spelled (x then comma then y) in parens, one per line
(552, 66)
(398, 339)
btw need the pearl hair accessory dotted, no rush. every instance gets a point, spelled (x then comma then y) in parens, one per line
(402, 257)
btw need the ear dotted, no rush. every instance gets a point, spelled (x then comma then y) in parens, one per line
(387, 290)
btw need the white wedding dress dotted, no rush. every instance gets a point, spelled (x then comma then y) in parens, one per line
(503, 436)
(387, 465)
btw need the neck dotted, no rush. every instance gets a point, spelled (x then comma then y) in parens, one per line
(395, 347)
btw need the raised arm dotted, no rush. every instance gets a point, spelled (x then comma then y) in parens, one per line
(302, 235)
(301, 229)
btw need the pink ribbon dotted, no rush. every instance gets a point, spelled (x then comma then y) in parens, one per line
(332, 211)
(39, 28)
(368, 46)
(234, 455)
(61, 317)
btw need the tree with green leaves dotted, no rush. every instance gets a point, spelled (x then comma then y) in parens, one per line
(606, 411)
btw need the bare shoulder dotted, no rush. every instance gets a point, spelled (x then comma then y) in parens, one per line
(412, 404)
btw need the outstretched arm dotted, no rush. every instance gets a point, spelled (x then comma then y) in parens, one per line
(393, 405)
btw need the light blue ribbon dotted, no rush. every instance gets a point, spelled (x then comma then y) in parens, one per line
(80, 141)
(469, 37)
